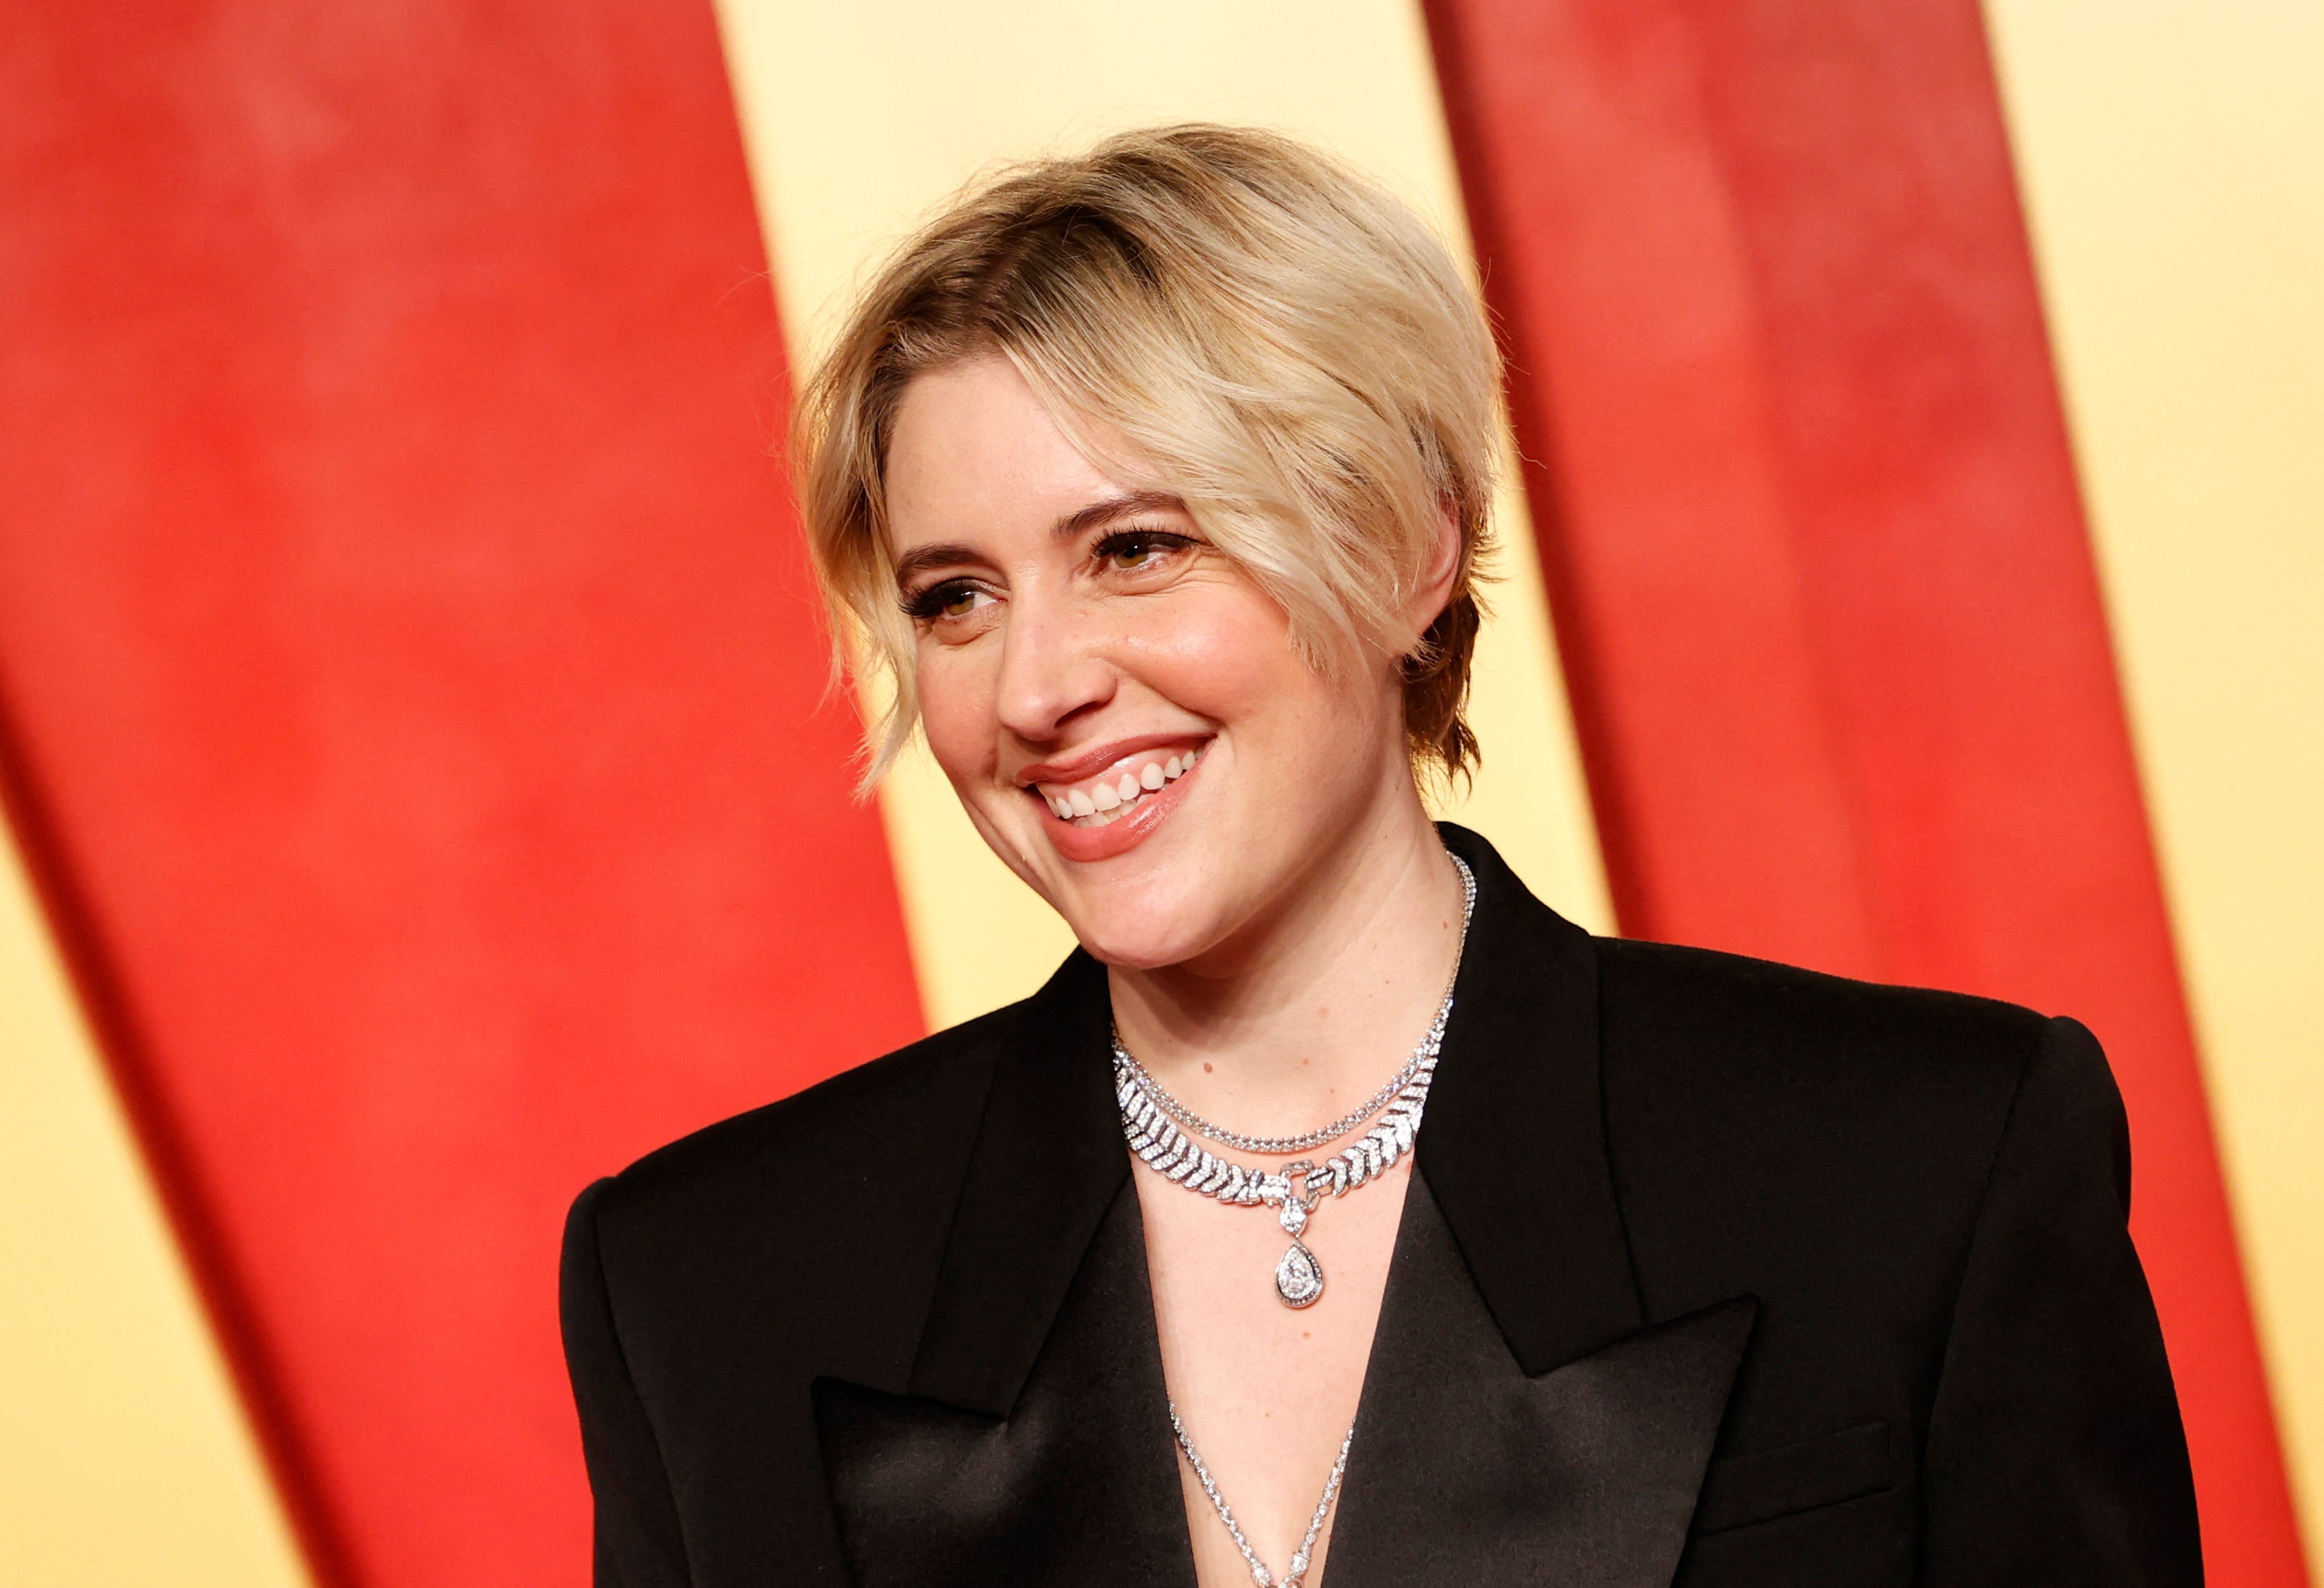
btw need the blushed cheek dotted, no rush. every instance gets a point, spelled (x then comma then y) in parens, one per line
(1234, 661)
(1221, 657)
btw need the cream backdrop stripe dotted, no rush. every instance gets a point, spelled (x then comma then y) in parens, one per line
(2172, 159)
(861, 118)
(124, 1459)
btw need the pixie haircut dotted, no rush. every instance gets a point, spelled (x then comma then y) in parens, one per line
(1219, 314)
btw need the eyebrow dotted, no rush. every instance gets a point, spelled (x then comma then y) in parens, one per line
(1074, 525)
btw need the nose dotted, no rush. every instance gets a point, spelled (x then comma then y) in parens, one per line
(1051, 670)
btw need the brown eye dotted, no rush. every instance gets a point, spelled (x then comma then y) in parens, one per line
(1136, 551)
(949, 602)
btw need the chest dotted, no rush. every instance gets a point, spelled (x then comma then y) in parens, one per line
(1266, 1391)
(1463, 1467)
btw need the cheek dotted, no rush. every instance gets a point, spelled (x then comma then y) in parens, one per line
(956, 688)
(1230, 656)
(1225, 652)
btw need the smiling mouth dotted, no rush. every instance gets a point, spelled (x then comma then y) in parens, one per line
(1116, 792)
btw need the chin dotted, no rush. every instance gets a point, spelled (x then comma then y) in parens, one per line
(1136, 931)
(1139, 949)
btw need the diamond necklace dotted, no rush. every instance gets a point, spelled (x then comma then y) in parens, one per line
(1282, 1146)
(1296, 1573)
(1151, 1123)
(1272, 1146)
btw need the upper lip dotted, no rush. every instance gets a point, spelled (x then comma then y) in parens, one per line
(1098, 758)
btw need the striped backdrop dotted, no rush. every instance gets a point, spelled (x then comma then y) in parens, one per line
(423, 793)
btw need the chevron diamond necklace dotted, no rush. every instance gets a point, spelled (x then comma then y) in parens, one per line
(1161, 1131)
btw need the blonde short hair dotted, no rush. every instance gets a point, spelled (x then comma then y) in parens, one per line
(1276, 342)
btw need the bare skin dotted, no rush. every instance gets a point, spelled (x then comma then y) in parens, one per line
(1278, 920)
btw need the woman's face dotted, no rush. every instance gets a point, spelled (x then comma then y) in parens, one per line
(1119, 707)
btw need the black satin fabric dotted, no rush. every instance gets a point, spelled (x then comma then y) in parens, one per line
(1464, 1468)
(1077, 1485)
(1716, 1274)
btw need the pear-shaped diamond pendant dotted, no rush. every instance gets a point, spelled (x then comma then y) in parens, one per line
(1161, 1133)
(1299, 1278)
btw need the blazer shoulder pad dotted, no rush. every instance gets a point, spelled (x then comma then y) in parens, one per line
(1727, 1011)
(1776, 1116)
(901, 1105)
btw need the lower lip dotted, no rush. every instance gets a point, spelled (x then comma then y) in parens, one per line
(1118, 837)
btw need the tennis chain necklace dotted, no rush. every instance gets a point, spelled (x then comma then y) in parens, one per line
(1296, 1573)
(1156, 1126)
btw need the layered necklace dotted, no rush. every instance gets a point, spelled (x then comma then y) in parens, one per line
(1162, 1130)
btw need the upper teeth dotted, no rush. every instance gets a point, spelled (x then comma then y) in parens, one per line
(1105, 800)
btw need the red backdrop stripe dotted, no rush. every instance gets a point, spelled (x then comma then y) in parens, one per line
(413, 700)
(1809, 518)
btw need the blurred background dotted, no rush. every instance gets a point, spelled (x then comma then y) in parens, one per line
(423, 793)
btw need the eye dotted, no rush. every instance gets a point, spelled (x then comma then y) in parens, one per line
(1130, 552)
(951, 600)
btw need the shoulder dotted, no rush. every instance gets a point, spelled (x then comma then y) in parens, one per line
(1789, 1101)
(1753, 1034)
(868, 1140)
(1704, 1002)
(1744, 1025)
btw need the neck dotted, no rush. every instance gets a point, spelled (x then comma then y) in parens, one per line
(1316, 1002)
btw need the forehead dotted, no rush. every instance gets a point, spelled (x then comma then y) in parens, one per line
(975, 452)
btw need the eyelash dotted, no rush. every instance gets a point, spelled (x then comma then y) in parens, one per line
(928, 606)
(1115, 542)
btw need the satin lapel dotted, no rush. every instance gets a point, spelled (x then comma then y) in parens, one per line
(1046, 1164)
(1513, 1145)
(1078, 1485)
(1515, 1142)
(1466, 1469)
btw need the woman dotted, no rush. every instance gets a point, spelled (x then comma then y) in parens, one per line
(1336, 1209)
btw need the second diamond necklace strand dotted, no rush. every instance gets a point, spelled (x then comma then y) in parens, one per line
(1157, 1127)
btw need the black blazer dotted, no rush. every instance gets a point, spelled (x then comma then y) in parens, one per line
(1713, 1271)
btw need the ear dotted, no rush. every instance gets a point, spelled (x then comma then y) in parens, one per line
(1434, 592)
